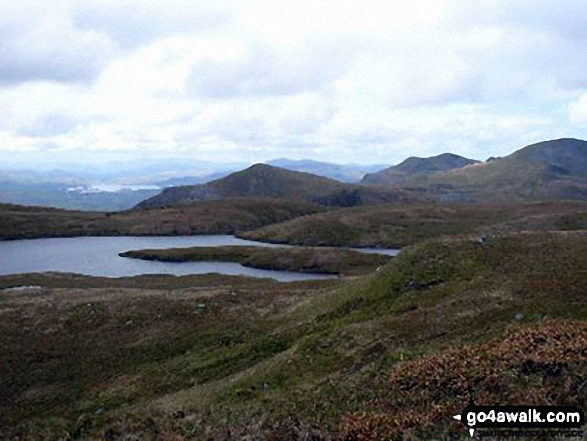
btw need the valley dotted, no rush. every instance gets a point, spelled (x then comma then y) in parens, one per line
(293, 220)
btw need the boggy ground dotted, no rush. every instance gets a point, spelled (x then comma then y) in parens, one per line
(390, 355)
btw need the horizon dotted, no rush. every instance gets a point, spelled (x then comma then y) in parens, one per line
(195, 167)
(94, 82)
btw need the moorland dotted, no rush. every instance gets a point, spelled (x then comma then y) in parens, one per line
(487, 297)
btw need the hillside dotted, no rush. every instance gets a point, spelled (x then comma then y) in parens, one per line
(392, 225)
(392, 355)
(414, 167)
(208, 217)
(549, 170)
(262, 180)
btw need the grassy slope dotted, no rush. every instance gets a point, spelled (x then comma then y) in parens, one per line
(211, 217)
(397, 226)
(259, 180)
(313, 260)
(416, 168)
(287, 361)
(551, 170)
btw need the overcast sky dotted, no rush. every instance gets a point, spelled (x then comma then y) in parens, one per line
(247, 80)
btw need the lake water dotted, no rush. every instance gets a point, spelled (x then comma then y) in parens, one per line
(98, 256)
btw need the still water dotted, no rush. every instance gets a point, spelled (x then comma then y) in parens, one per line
(98, 256)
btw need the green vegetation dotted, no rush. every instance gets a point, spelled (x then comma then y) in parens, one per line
(390, 226)
(377, 357)
(550, 170)
(210, 217)
(312, 260)
(486, 299)
(299, 223)
(415, 168)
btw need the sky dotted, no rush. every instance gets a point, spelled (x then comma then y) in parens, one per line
(364, 82)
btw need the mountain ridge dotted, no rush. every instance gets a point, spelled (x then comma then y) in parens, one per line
(416, 166)
(548, 170)
(263, 180)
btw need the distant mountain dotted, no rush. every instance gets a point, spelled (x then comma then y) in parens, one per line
(177, 181)
(262, 180)
(415, 167)
(549, 170)
(343, 173)
(146, 171)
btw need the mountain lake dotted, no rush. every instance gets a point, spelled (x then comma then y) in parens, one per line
(98, 256)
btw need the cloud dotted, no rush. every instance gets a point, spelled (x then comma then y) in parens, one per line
(578, 110)
(132, 24)
(259, 69)
(334, 80)
(542, 41)
(50, 125)
(39, 42)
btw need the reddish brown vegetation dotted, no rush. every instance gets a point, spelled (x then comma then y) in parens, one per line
(538, 365)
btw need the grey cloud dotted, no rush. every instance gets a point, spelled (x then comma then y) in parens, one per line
(239, 129)
(564, 18)
(542, 41)
(300, 126)
(261, 71)
(40, 44)
(521, 66)
(376, 136)
(132, 23)
(50, 125)
(68, 66)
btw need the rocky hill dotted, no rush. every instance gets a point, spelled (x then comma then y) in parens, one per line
(549, 170)
(262, 180)
(415, 167)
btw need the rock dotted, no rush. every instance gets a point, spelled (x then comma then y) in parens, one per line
(178, 414)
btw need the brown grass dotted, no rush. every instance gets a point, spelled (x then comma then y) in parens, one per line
(312, 260)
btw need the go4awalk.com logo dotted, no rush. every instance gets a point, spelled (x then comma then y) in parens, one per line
(523, 420)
